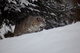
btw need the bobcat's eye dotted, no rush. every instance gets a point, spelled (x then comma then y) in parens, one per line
(38, 18)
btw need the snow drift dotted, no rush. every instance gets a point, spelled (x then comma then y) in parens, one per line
(58, 40)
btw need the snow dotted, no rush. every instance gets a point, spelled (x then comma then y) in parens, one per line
(34, 0)
(22, 1)
(4, 29)
(34, 9)
(27, 3)
(53, 14)
(58, 40)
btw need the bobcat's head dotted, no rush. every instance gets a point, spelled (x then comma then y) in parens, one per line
(38, 24)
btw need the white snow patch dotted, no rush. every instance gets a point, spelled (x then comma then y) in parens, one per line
(58, 40)
(34, 0)
(13, 1)
(27, 3)
(4, 29)
(34, 9)
(53, 14)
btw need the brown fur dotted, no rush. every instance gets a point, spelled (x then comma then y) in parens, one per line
(29, 25)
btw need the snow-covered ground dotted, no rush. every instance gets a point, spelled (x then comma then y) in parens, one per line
(58, 40)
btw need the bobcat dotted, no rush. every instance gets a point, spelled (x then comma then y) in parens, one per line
(30, 25)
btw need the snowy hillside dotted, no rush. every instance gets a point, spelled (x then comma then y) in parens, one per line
(58, 40)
